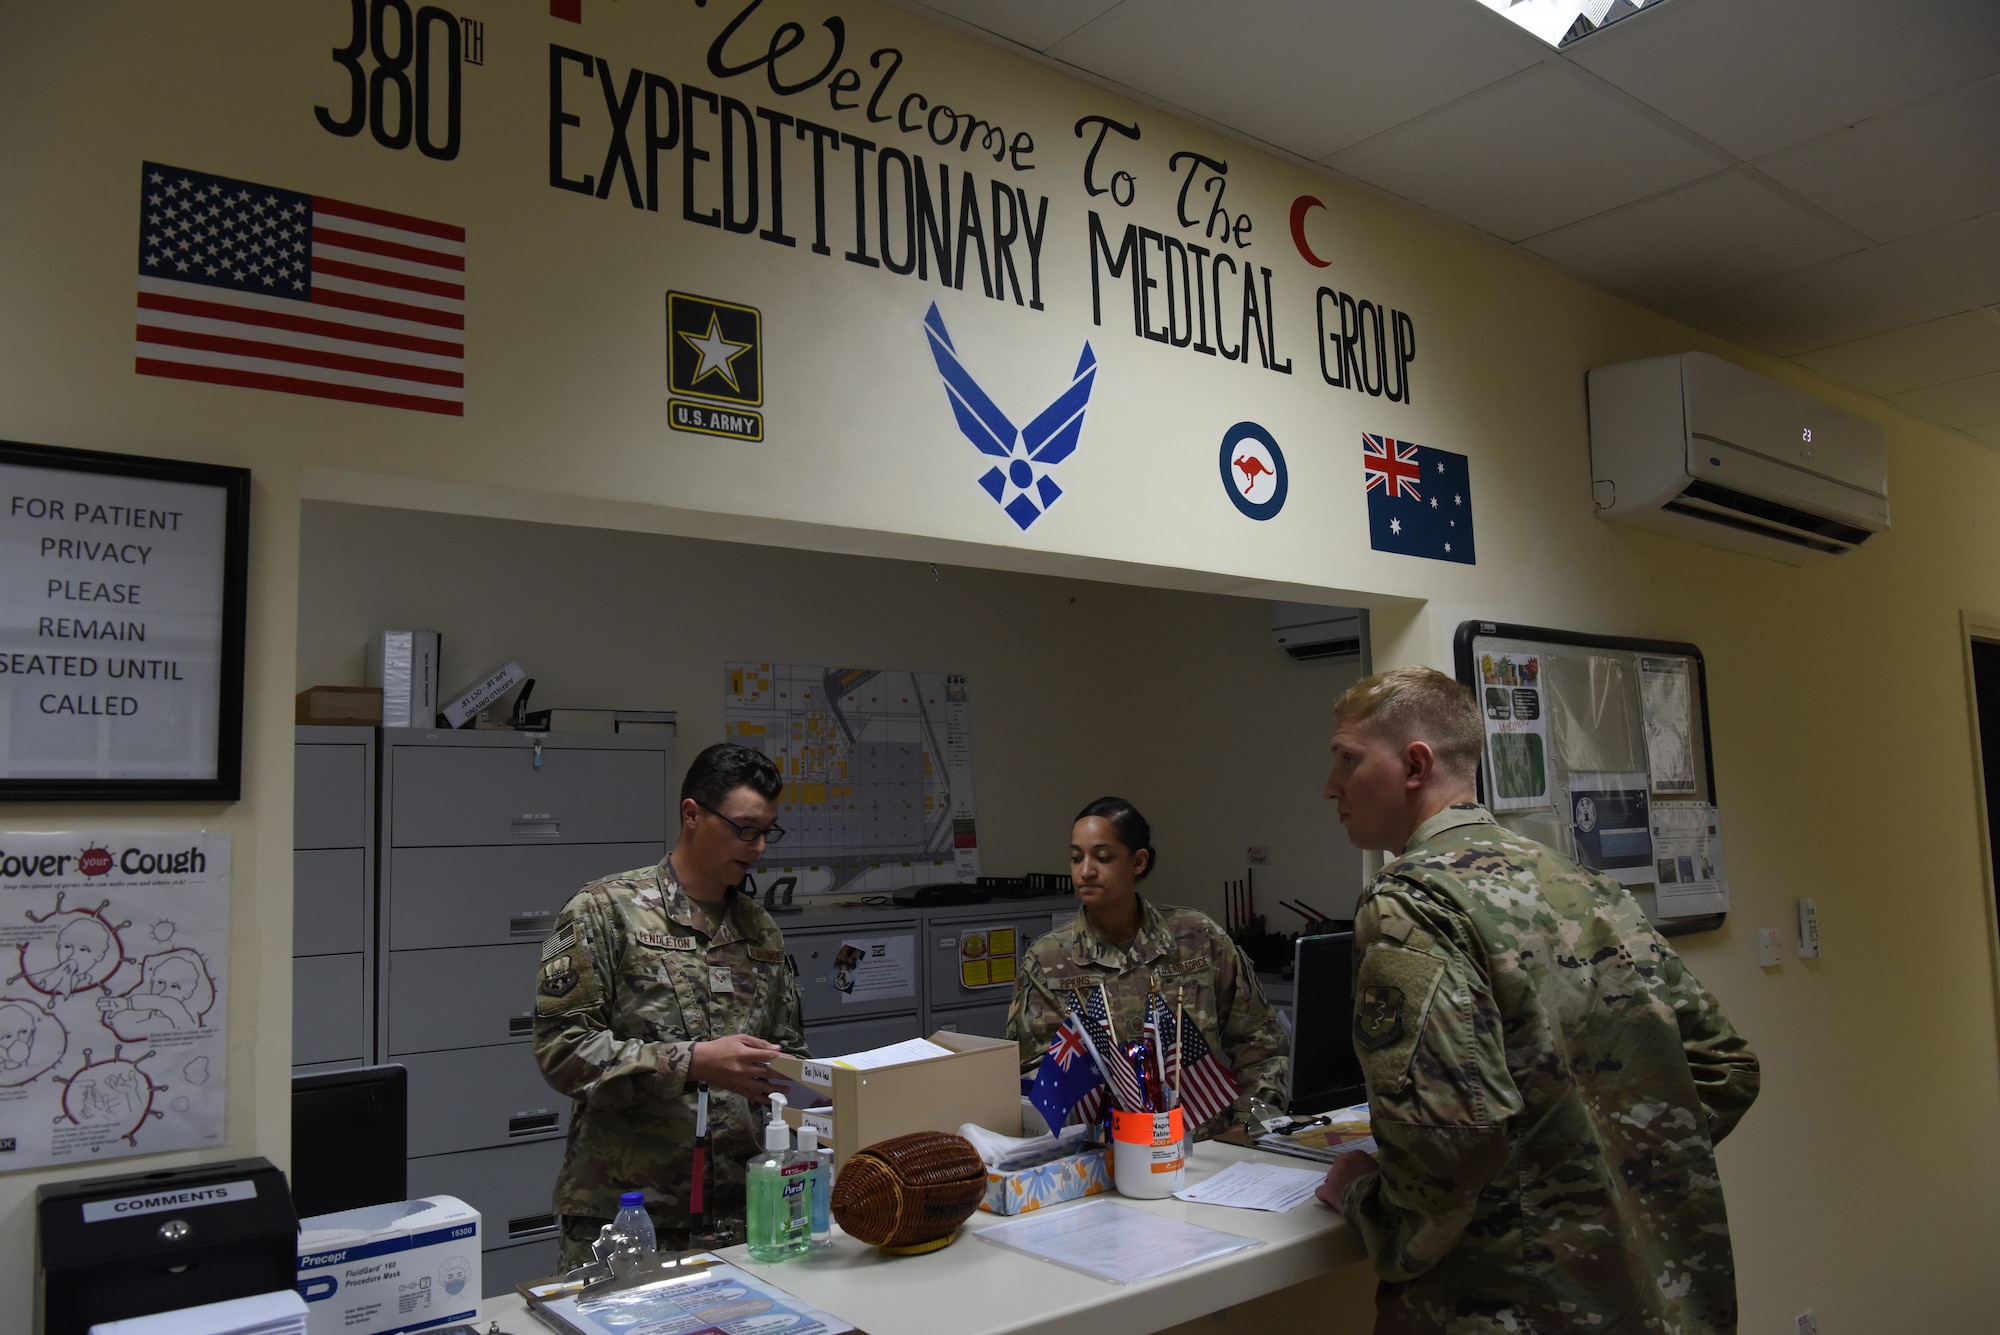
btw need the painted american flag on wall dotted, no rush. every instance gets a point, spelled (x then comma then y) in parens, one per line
(266, 288)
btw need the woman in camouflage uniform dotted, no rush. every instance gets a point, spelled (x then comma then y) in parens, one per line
(1130, 947)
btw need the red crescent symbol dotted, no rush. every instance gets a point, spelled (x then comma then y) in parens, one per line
(1299, 208)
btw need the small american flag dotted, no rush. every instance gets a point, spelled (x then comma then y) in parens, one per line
(1207, 1086)
(256, 286)
(1091, 1014)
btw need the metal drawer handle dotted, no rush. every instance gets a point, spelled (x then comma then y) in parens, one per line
(544, 827)
(531, 1226)
(520, 1026)
(531, 924)
(533, 1124)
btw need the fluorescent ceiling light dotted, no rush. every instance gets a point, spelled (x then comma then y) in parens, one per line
(1560, 22)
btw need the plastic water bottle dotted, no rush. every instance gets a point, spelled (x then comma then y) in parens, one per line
(822, 1185)
(629, 1238)
(779, 1190)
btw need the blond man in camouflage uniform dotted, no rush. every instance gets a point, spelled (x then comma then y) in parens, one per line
(1125, 944)
(654, 981)
(1547, 1080)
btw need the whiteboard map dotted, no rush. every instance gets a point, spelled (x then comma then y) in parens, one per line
(877, 768)
(112, 1039)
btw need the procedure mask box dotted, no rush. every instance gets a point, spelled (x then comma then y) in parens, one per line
(388, 1268)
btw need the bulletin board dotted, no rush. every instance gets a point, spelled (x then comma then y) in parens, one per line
(1599, 746)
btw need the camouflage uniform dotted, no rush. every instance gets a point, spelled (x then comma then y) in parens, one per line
(1547, 1083)
(631, 979)
(1177, 952)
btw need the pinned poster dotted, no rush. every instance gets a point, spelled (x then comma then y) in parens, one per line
(1687, 855)
(1517, 730)
(1667, 703)
(1611, 825)
(875, 968)
(112, 1032)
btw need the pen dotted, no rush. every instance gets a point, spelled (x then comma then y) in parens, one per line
(700, 1154)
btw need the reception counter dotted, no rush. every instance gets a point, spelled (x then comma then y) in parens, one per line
(972, 1288)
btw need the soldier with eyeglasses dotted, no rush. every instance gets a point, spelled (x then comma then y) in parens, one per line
(654, 982)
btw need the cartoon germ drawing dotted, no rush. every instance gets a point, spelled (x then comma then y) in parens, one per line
(173, 994)
(31, 1041)
(84, 953)
(113, 1094)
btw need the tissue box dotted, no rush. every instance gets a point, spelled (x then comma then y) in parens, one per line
(387, 1268)
(1018, 1190)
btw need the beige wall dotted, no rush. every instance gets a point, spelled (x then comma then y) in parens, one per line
(1838, 699)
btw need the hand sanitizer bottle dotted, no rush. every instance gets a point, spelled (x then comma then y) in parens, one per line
(778, 1186)
(821, 1162)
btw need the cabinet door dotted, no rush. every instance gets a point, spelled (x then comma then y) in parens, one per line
(473, 997)
(837, 1040)
(458, 795)
(477, 1097)
(329, 901)
(511, 1187)
(494, 896)
(328, 1009)
(504, 1267)
(330, 795)
(847, 975)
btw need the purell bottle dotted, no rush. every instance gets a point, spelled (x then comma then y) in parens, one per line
(779, 1187)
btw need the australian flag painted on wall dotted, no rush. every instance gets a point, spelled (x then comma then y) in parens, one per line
(1419, 500)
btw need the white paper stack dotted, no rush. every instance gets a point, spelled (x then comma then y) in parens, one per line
(280, 1313)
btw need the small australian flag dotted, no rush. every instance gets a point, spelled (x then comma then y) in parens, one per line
(1419, 500)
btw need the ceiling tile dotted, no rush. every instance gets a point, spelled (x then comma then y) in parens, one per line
(1755, 78)
(1310, 76)
(1986, 435)
(1707, 237)
(1963, 258)
(1838, 301)
(1527, 156)
(1910, 171)
(1953, 348)
(1961, 403)
(1032, 23)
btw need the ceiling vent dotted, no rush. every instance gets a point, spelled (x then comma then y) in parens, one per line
(1694, 446)
(1308, 632)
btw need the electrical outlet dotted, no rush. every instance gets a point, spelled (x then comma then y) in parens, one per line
(1770, 947)
(1808, 930)
(1806, 1324)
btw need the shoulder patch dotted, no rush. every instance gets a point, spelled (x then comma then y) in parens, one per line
(661, 941)
(558, 976)
(562, 939)
(1391, 996)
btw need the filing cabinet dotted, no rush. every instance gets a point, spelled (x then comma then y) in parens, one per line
(485, 835)
(333, 899)
(837, 970)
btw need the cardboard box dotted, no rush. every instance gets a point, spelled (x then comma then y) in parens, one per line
(980, 1082)
(388, 1268)
(1072, 1177)
(343, 705)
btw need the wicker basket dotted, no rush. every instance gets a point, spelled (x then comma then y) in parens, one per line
(911, 1193)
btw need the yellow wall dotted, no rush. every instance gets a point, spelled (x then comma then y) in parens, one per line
(1862, 1185)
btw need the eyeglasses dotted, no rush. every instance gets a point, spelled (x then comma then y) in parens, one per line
(749, 834)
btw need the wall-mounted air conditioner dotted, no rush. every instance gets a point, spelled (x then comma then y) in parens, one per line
(1696, 447)
(1307, 631)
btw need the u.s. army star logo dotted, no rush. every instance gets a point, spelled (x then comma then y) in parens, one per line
(1378, 1016)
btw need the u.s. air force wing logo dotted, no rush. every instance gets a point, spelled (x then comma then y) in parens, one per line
(1020, 458)
(1378, 1016)
(715, 352)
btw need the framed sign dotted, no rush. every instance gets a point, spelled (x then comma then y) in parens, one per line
(122, 588)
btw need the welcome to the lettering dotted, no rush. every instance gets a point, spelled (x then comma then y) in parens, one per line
(732, 178)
